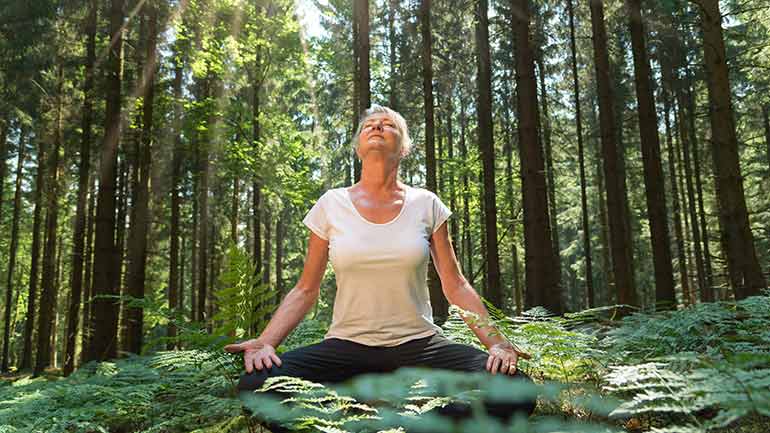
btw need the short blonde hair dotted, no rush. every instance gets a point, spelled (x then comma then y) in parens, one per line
(398, 119)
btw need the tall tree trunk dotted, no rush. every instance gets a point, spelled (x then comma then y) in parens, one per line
(78, 236)
(175, 288)
(203, 209)
(541, 275)
(140, 225)
(684, 134)
(194, 251)
(653, 169)
(85, 335)
(256, 215)
(486, 146)
(393, 79)
(467, 247)
(614, 176)
(103, 345)
(234, 204)
(707, 272)
(681, 254)
(362, 78)
(9, 303)
(438, 301)
(124, 166)
(544, 137)
(743, 268)
(590, 296)
(268, 246)
(690, 299)
(280, 239)
(453, 225)
(49, 293)
(766, 123)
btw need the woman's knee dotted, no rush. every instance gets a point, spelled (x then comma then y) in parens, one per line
(252, 381)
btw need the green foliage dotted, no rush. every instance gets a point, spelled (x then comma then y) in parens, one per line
(243, 300)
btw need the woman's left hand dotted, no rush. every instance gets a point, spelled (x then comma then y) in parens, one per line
(503, 358)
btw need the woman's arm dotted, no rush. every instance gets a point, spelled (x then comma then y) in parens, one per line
(261, 350)
(460, 293)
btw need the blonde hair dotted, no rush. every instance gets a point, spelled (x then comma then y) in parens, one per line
(398, 119)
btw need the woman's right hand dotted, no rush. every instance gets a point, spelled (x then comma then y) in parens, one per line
(256, 354)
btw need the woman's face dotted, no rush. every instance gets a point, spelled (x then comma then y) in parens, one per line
(379, 134)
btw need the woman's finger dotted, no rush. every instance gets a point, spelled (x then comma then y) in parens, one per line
(248, 362)
(258, 363)
(268, 362)
(489, 362)
(496, 365)
(276, 359)
(234, 348)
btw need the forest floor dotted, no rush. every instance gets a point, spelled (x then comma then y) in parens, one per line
(705, 368)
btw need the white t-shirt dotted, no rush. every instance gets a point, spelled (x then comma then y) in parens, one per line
(381, 269)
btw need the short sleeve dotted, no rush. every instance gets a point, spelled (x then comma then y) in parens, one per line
(317, 219)
(440, 212)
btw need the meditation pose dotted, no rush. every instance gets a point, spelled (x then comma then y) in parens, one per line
(379, 235)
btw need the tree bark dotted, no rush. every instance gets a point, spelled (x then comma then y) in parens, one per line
(175, 288)
(541, 274)
(466, 251)
(766, 123)
(103, 345)
(743, 267)
(362, 78)
(545, 139)
(486, 146)
(203, 209)
(614, 176)
(49, 293)
(665, 298)
(590, 296)
(141, 225)
(681, 255)
(438, 301)
(393, 79)
(9, 290)
(85, 335)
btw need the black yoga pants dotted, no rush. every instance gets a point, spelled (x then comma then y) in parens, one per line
(335, 360)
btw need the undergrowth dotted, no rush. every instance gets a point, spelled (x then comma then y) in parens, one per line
(704, 368)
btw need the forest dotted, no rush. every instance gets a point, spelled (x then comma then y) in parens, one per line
(607, 163)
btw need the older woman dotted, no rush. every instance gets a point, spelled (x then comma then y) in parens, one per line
(378, 235)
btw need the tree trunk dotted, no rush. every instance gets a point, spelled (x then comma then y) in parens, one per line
(85, 335)
(280, 239)
(545, 139)
(103, 345)
(486, 146)
(203, 209)
(141, 224)
(49, 293)
(665, 297)
(707, 271)
(684, 134)
(614, 176)
(29, 325)
(466, 251)
(362, 78)
(438, 301)
(690, 296)
(541, 275)
(78, 236)
(393, 79)
(268, 246)
(590, 296)
(766, 123)
(175, 288)
(9, 290)
(743, 268)
(681, 255)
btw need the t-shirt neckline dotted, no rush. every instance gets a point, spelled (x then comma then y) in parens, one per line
(403, 207)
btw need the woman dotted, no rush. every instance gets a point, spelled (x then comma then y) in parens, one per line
(378, 234)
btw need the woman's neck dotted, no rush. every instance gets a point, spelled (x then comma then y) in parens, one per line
(379, 178)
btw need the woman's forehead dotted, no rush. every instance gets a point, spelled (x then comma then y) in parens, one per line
(376, 116)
